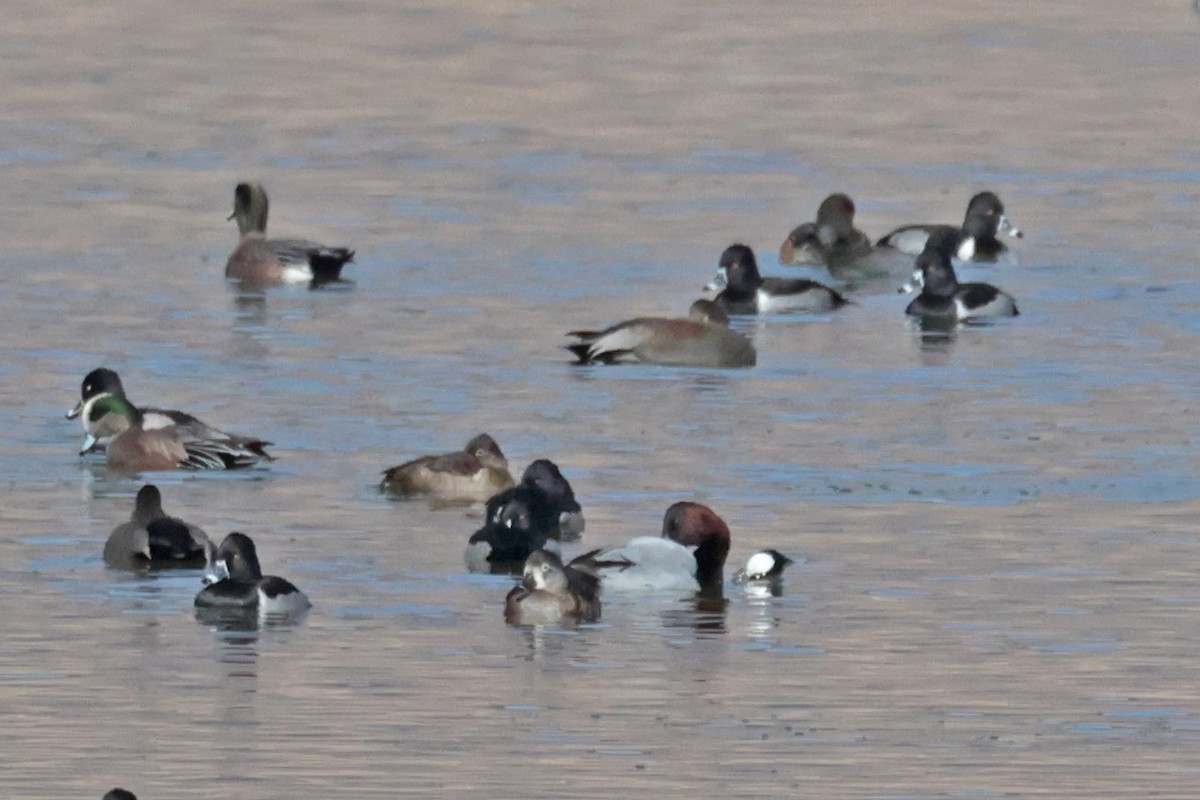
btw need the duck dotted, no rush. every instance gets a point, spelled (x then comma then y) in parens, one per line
(765, 565)
(258, 262)
(702, 340)
(551, 592)
(236, 582)
(688, 558)
(134, 448)
(152, 539)
(471, 475)
(119, 794)
(977, 240)
(831, 241)
(943, 299)
(742, 290)
(537, 513)
(102, 382)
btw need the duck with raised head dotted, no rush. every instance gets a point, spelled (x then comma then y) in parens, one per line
(152, 539)
(742, 290)
(471, 475)
(943, 298)
(103, 382)
(702, 340)
(258, 262)
(551, 592)
(976, 239)
(831, 241)
(236, 582)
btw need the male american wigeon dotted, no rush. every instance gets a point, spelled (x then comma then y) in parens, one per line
(151, 539)
(831, 241)
(702, 340)
(551, 592)
(258, 262)
(471, 475)
(983, 221)
(134, 448)
(237, 582)
(688, 557)
(103, 382)
(943, 298)
(744, 291)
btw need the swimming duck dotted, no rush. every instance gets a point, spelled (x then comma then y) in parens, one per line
(119, 794)
(471, 475)
(535, 514)
(943, 298)
(152, 539)
(134, 448)
(765, 565)
(257, 262)
(688, 557)
(831, 241)
(744, 291)
(102, 382)
(983, 221)
(702, 340)
(237, 582)
(551, 592)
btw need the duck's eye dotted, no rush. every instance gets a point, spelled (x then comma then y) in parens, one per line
(87, 387)
(546, 568)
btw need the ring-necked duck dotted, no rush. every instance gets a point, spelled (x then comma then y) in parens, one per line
(744, 291)
(257, 262)
(983, 221)
(551, 592)
(103, 382)
(536, 513)
(943, 298)
(134, 448)
(119, 794)
(702, 340)
(831, 241)
(471, 475)
(688, 557)
(153, 539)
(238, 582)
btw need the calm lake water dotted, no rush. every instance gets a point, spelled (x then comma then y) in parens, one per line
(998, 591)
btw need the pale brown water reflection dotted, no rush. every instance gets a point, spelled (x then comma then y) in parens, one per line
(998, 595)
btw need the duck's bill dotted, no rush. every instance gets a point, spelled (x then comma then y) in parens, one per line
(719, 281)
(76, 411)
(89, 444)
(913, 284)
(1007, 227)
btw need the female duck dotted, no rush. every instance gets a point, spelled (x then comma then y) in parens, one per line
(241, 584)
(688, 557)
(551, 592)
(744, 291)
(152, 539)
(831, 241)
(258, 262)
(471, 475)
(943, 298)
(976, 238)
(702, 340)
(134, 448)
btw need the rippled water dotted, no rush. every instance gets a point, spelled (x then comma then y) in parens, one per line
(998, 593)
